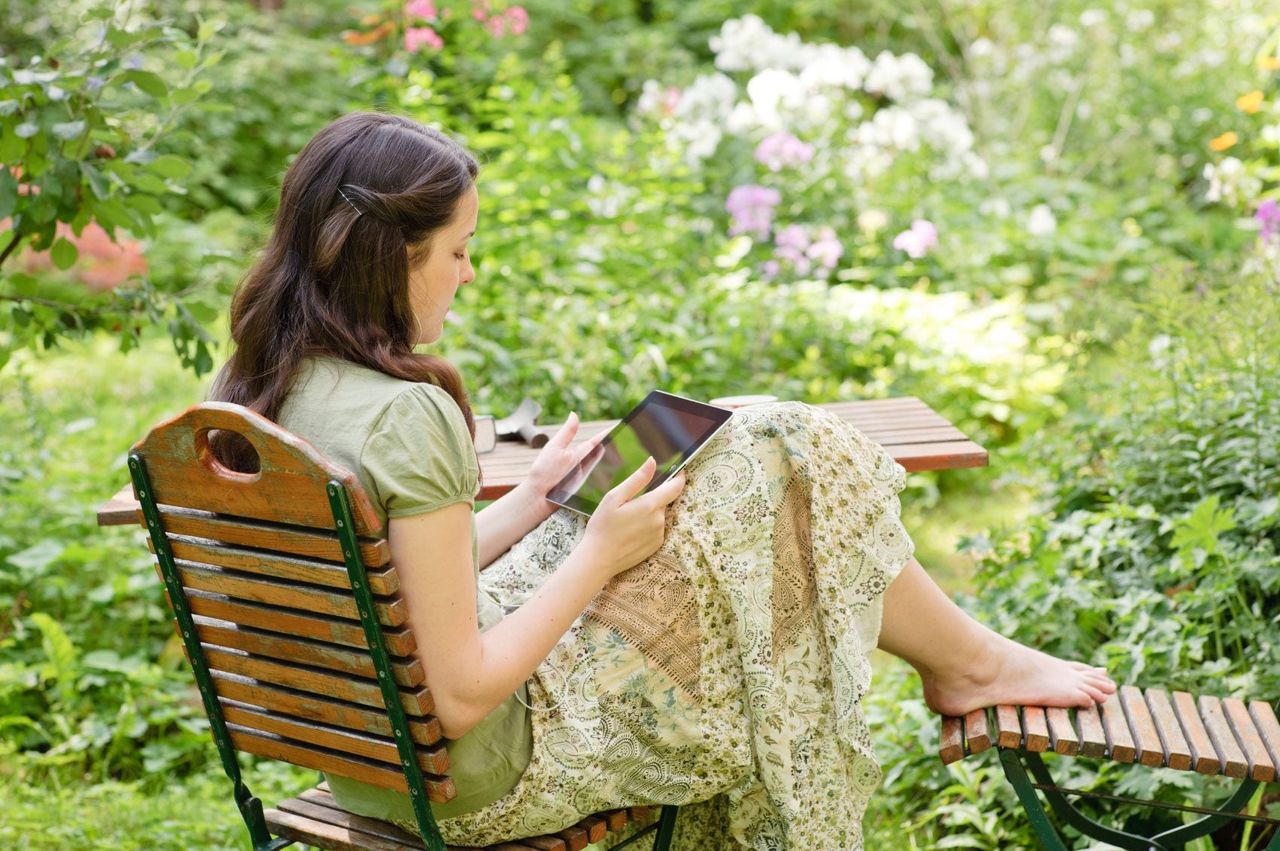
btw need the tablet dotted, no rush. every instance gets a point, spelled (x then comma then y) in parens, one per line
(670, 428)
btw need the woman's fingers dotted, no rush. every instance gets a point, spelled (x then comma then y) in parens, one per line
(634, 484)
(565, 435)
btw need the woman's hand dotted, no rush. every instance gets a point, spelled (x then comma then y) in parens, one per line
(557, 458)
(629, 525)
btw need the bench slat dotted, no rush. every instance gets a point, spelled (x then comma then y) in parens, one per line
(439, 789)
(1116, 729)
(433, 760)
(574, 837)
(416, 701)
(977, 733)
(1008, 729)
(322, 834)
(325, 710)
(1174, 744)
(1203, 755)
(407, 672)
(951, 743)
(276, 537)
(390, 611)
(1093, 741)
(400, 642)
(1261, 768)
(1264, 717)
(287, 568)
(1224, 742)
(1146, 742)
(1036, 727)
(1062, 736)
(382, 834)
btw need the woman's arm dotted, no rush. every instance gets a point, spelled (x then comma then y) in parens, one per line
(514, 515)
(469, 672)
(507, 520)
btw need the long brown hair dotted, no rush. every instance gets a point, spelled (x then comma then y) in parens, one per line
(333, 278)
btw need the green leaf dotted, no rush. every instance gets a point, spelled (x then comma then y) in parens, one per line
(187, 59)
(26, 130)
(8, 193)
(172, 166)
(8, 107)
(69, 130)
(146, 81)
(94, 177)
(64, 253)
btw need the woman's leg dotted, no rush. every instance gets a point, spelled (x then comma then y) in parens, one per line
(965, 665)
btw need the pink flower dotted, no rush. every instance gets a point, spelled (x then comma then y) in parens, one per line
(424, 9)
(497, 26)
(480, 10)
(752, 209)
(1268, 216)
(783, 149)
(792, 242)
(917, 241)
(415, 37)
(826, 249)
(517, 19)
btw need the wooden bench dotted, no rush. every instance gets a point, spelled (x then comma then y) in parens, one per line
(1204, 734)
(288, 607)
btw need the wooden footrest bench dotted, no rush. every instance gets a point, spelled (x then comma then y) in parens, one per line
(1207, 735)
(316, 819)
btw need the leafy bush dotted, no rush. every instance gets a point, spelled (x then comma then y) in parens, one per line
(1157, 547)
(79, 125)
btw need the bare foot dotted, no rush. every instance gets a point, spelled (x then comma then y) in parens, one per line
(1009, 672)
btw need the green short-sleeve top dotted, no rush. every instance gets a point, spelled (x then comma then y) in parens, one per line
(409, 446)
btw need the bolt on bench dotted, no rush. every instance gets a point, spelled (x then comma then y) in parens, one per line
(288, 607)
(1208, 735)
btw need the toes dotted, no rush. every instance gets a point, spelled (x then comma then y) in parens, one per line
(1097, 695)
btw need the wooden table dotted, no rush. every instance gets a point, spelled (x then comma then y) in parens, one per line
(917, 437)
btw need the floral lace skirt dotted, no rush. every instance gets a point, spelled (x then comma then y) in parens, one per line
(725, 673)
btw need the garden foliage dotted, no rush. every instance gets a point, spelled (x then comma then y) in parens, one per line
(973, 203)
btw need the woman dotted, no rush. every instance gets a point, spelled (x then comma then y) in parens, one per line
(704, 644)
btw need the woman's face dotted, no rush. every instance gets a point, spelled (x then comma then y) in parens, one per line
(435, 278)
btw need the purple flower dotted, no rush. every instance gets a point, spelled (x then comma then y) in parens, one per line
(783, 149)
(1268, 216)
(752, 209)
(826, 249)
(917, 241)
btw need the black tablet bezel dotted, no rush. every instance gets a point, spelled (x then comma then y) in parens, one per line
(718, 416)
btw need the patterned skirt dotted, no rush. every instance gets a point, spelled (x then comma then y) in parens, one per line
(725, 673)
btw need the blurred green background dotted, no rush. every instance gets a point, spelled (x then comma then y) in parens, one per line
(1055, 223)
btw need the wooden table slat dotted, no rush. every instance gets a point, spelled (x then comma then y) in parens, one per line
(915, 435)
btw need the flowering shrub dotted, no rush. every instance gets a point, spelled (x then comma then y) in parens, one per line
(823, 131)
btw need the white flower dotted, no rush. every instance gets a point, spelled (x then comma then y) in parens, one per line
(1230, 183)
(1270, 134)
(1041, 222)
(832, 65)
(899, 77)
(1140, 19)
(873, 221)
(1090, 18)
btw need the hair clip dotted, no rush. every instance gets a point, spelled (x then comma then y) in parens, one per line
(359, 212)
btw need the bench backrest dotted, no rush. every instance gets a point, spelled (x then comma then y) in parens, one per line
(259, 561)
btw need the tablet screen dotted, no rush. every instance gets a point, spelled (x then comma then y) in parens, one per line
(670, 428)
